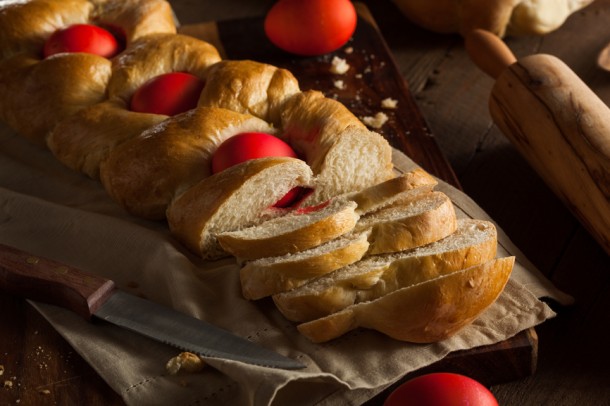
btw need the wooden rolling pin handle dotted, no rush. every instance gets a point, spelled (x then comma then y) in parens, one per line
(488, 52)
(556, 122)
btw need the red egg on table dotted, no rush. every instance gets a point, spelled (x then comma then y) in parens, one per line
(441, 389)
(85, 38)
(169, 94)
(313, 27)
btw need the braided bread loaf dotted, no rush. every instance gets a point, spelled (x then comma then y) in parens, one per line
(148, 160)
(158, 163)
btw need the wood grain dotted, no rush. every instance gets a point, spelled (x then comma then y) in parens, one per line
(563, 130)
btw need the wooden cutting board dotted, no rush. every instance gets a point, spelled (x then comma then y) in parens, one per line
(373, 76)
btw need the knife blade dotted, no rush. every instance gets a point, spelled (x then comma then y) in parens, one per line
(91, 296)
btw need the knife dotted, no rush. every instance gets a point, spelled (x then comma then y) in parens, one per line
(91, 296)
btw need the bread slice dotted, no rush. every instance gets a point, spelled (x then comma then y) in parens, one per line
(387, 193)
(266, 276)
(427, 312)
(237, 197)
(298, 231)
(416, 222)
(344, 155)
(474, 242)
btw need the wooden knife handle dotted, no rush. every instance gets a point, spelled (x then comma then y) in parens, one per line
(49, 281)
(556, 122)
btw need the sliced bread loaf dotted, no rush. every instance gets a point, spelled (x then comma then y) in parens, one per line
(423, 313)
(474, 242)
(300, 230)
(424, 219)
(267, 276)
(393, 190)
(239, 196)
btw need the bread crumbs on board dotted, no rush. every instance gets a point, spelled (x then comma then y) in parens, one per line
(339, 66)
(376, 121)
(389, 103)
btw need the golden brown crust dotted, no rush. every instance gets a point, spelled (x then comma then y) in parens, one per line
(249, 87)
(146, 172)
(85, 139)
(377, 276)
(409, 231)
(229, 200)
(270, 276)
(36, 94)
(311, 124)
(288, 240)
(136, 18)
(424, 313)
(459, 16)
(515, 17)
(25, 26)
(343, 154)
(154, 55)
(386, 193)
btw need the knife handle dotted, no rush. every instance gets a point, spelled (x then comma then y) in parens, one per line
(49, 281)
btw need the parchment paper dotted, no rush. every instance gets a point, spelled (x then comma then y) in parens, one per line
(51, 211)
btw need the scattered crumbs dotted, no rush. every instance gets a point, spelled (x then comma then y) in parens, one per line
(339, 66)
(1, 370)
(339, 84)
(389, 103)
(8, 384)
(368, 69)
(349, 50)
(44, 392)
(358, 76)
(375, 122)
(185, 361)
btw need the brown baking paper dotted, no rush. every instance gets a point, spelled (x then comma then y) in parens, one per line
(48, 210)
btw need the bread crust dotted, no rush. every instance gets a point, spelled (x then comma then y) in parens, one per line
(391, 191)
(377, 276)
(37, 94)
(501, 17)
(424, 313)
(193, 216)
(154, 55)
(274, 275)
(419, 227)
(250, 246)
(329, 138)
(144, 173)
(249, 87)
(136, 18)
(85, 139)
(25, 26)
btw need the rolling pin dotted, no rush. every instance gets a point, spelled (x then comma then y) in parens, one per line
(556, 122)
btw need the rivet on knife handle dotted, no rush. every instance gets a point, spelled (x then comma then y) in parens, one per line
(47, 281)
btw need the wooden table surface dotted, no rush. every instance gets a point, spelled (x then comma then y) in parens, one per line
(37, 367)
